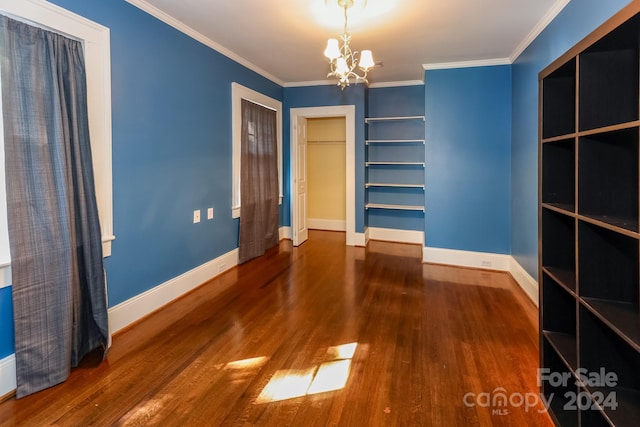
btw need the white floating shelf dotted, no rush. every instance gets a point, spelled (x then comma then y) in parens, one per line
(394, 207)
(382, 119)
(379, 184)
(394, 163)
(392, 141)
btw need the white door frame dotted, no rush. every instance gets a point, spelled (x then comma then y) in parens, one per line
(349, 114)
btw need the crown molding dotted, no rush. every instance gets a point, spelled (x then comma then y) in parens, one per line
(539, 28)
(467, 64)
(181, 26)
(396, 84)
(310, 83)
(370, 86)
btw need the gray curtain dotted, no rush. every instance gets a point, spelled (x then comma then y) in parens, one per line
(58, 282)
(258, 181)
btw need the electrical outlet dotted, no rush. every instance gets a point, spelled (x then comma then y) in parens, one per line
(196, 216)
(210, 213)
(485, 263)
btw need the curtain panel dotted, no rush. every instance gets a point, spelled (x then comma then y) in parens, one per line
(259, 192)
(58, 283)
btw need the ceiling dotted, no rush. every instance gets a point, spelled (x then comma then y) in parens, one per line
(285, 40)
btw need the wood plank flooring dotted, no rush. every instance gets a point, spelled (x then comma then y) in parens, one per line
(427, 338)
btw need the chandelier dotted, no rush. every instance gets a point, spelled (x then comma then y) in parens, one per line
(343, 60)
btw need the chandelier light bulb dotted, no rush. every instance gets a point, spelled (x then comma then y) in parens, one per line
(341, 66)
(332, 51)
(366, 60)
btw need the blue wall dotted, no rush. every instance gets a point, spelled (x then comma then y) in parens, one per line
(324, 96)
(468, 152)
(396, 101)
(577, 20)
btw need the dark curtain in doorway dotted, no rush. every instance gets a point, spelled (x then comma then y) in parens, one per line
(258, 181)
(58, 282)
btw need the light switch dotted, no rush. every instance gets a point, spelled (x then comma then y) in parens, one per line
(196, 216)
(210, 213)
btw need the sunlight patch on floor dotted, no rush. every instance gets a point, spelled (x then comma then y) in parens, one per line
(328, 376)
(344, 351)
(331, 376)
(287, 384)
(254, 362)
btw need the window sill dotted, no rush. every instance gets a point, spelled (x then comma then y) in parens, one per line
(5, 275)
(5, 268)
(106, 245)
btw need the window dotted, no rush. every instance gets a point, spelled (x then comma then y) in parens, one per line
(98, 65)
(238, 93)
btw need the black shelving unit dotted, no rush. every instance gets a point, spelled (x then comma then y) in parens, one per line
(589, 226)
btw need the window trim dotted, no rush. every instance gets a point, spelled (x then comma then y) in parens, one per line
(238, 93)
(96, 42)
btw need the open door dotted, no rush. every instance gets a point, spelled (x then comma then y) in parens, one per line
(300, 231)
(298, 175)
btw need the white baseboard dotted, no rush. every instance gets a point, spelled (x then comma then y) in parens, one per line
(487, 261)
(285, 233)
(460, 258)
(528, 284)
(395, 235)
(327, 224)
(360, 239)
(7, 375)
(139, 306)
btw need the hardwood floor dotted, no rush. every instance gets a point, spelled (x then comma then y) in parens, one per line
(429, 338)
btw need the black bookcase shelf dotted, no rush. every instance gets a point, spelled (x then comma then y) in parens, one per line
(558, 395)
(559, 320)
(608, 269)
(559, 247)
(559, 101)
(608, 178)
(589, 224)
(608, 85)
(602, 351)
(619, 316)
(564, 278)
(558, 176)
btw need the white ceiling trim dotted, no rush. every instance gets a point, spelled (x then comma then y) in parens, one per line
(181, 26)
(310, 83)
(396, 84)
(539, 28)
(467, 64)
(371, 86)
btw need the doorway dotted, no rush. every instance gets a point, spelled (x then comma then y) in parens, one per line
(326, 174)
(298, 183)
